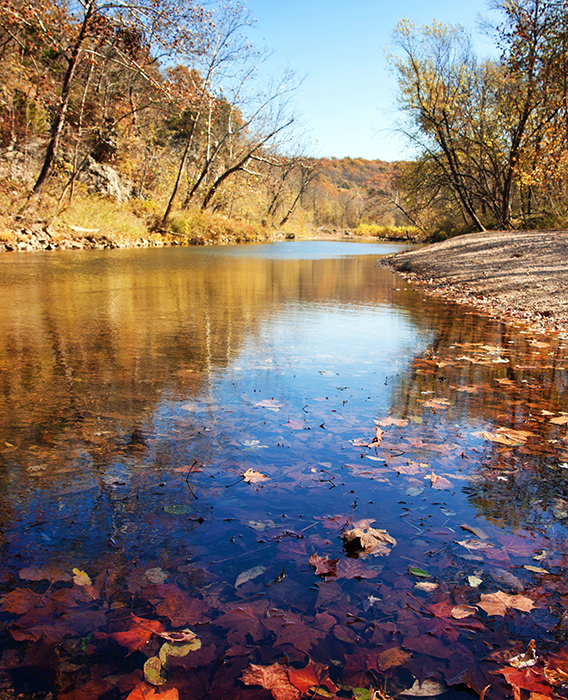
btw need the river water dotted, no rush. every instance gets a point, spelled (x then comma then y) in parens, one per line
(187, 435)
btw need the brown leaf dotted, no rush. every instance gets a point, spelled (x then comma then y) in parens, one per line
(324, 565)
(252, 477)
(146, 692)
(527, 679)
(179, 607)
(352, 568)
(559, 420)
(313, 675)
(461, 611)
(371, 542)
(274, 678)
(392, 658)
(21, 600)
(49, 573)
(138, 633)
(498, 603)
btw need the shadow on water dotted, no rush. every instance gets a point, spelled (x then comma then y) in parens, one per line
(187, 435)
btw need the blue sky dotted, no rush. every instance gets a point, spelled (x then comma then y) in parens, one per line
(348, 96)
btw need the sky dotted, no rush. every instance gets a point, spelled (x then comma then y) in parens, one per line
(348, 96)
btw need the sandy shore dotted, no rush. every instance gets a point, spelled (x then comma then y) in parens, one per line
(517, 276)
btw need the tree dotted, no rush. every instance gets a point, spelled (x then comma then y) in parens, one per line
(129, 33)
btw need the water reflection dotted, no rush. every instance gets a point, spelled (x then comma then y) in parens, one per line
(172, 420)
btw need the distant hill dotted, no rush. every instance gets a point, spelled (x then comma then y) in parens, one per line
(345, 173)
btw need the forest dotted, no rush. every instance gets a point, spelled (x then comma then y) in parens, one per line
(157, 108)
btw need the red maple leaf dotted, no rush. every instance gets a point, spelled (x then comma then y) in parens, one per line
(245, 619)
(312, 675)
(352, 568)
(290, 628)
(324, 565)
(138, 633)
(274, 678)
(528, 679)
(179, 607)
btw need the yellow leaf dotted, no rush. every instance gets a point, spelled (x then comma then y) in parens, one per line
(81, 578)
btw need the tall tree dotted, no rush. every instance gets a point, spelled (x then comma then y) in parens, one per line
(135, 31)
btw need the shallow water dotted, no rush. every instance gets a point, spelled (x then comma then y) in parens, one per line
(189, 426)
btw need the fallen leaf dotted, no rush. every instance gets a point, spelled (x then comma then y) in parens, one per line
(178, 650)
(474, 581)
(415, 571)
(461, 611)
(392, 658)
(527, 680)
(425, 689)
(49, 573)
(274, 678)
(312, 676)
(145, 692)
(154, 672)
(138, 634)
(270, 404)
(353, 568)
(529, 658)
(506, 436)
(81, 578)
(474, 544)
(436, 403)
(556, 677)
(498, 603)
(559, 420)
(249, 575)
(426, 586)
(475, 530)
(535, 569)
(324, 566)
(178, 637)
(371, 542)
(156, 575)
(252, 477)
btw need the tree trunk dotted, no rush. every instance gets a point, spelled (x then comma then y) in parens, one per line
(59, 123)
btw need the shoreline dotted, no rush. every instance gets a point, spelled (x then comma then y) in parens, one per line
(519, 277)
(43, 237)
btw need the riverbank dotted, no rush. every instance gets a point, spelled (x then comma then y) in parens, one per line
(520, 277)
(44, 236)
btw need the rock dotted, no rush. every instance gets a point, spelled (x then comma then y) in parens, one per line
(105, 180)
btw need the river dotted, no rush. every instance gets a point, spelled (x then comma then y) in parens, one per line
(191, 436)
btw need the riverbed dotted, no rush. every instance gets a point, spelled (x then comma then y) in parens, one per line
(191, 436)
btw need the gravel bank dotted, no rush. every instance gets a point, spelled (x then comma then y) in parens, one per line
(517, 276)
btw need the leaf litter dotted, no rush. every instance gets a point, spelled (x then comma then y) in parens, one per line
(333, 581)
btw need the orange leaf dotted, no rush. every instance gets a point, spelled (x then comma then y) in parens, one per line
(138, 634)
(146, 692)
(274, 678)
(312, 675)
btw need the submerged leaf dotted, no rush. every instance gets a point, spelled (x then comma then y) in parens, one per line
(425, 689)
(145, 692)
(178, 650)
(252, 477)
(81, 578)
(249, 575)
(498, 603)
(274, 678)
(154, 672)
(324, 566)
(176, 509)
(371, 542)
(529, 658)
